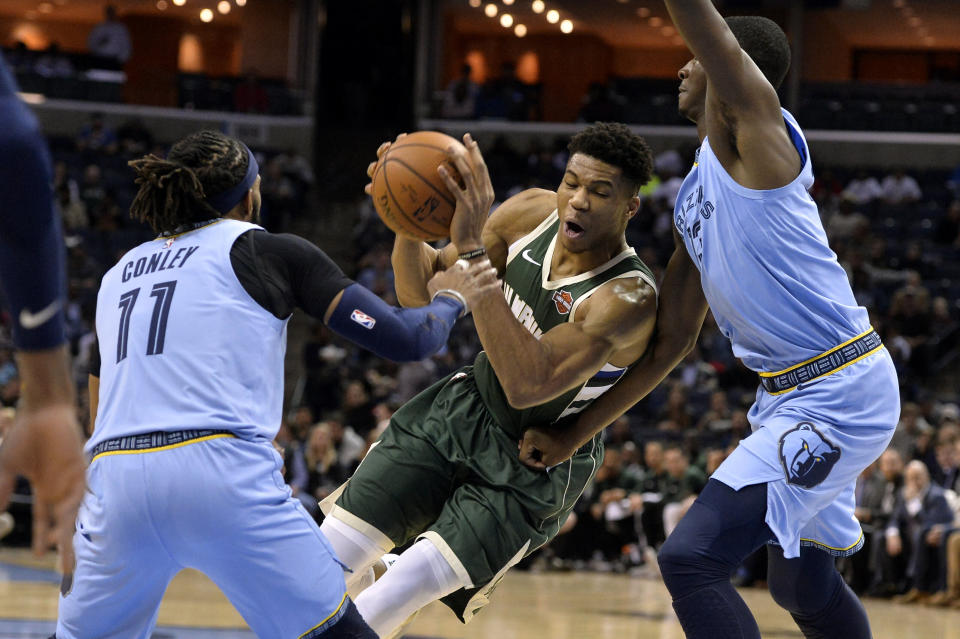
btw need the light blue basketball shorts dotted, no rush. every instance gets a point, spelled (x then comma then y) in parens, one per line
(218, 505)
(810, 444)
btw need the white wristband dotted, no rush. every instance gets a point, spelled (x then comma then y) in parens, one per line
(457, 295)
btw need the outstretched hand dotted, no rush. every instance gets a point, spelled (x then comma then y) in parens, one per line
(44, 445)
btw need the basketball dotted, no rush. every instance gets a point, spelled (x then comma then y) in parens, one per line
(409, 195)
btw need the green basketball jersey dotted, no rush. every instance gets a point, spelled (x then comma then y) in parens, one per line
(540, 304)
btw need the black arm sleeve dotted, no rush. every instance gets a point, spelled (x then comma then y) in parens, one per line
(283, 271)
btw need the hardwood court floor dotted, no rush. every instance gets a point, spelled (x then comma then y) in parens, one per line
(525, 606)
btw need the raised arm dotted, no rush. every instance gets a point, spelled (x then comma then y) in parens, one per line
(734, 78)
(742, 114)
(682, 308)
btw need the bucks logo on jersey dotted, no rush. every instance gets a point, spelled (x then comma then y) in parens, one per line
(540, 303)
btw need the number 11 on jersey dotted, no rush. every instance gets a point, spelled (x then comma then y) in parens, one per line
(163, 297)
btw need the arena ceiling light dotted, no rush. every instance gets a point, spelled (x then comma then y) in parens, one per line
(162, 5)
(508, 2)
(490, 10)
(520, 30)
(224, 7)
(538, 6)
(179, 3)
(553, 16)
(241, 3)
(566, 26)
(643, 12)
(475, 3)
(206, 15)
(506, 20)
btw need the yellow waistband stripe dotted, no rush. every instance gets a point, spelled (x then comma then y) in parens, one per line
(159, 448)
(824, 354)
(838, 368)
(328, 617)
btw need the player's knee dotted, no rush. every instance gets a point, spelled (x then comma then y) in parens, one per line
(785, 592)
(800, 595)
(680, 565)
(350, 626)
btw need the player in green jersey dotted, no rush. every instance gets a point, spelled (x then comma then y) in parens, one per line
(575, 308)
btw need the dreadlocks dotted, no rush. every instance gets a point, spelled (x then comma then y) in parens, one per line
(173, 191)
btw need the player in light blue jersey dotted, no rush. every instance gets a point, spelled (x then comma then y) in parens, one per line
(750, 242)
(187, 392)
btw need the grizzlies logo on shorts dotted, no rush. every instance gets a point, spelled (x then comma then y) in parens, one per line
(806, 455)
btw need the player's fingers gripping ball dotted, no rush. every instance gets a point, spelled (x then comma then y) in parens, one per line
(408, 194)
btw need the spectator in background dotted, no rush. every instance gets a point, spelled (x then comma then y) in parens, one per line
(72, 210)
(611, 526)
(951, 594)
(249, 96)
(92, 190)
(324, 471)
(350, 447)
(948, 228)
(863, 189)
(876, 496)
(504, 97)
(110, 39)
(460, 98)
(681, 486)
(322, 359)
(652, 486)
(921, 514)
(376, 272)
(601, 104)
(718, 417)
(909, 315)
(900, 188)
(279, 194)
(947, 453)
(357, 408)
(677, 409)
(712, 460)
(96, 137)
(135, 138)
(53, 63)
(20, 58)
(911, 426)
(847, 222)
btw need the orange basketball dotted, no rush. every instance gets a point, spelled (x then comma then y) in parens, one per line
(409, 195)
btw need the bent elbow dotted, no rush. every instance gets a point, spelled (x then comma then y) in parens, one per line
(521, 396)
(688, 345)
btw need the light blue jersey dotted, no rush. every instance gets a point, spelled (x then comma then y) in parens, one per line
(191, 385)
(182, 344)
(773, 283)
(782, 299)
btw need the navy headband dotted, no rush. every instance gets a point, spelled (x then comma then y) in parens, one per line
(224, 202)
